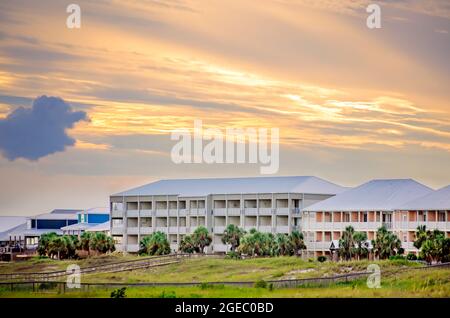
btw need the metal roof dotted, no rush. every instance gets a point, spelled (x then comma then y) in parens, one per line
(436, 200)
(101, 210)
(101, 227)
(78, 226)
(65, 211)
(203, 187)
(375, 195)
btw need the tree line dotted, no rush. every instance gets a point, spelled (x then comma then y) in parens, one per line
(57, 246)
(433, 246)
(253, 243)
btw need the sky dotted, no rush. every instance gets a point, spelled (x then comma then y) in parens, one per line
(88, 112)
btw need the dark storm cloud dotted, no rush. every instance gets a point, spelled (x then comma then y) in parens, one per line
(39, 131)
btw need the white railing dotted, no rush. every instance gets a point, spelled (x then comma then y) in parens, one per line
(162, 212)
(251, 211)
(145, 213)
(146, 230)
(265, 228)
(117, 214)
(219, 211)
(282, 229)
(132, 213)
(282, 211)
(265, 211)
(133, 230)
(234, 211)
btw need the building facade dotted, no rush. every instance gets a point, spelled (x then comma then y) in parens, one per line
(178, 207)
(374, 204)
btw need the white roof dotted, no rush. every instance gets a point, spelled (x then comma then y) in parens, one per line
(101, 227)
(203, 187)
(77, 227)
(101, 210)
(375, 195)
(436, 200)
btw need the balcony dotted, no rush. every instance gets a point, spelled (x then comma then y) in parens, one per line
(117, 230)
(132, 213)
(146, 213)
(133, 230)
(265, 211)
(174, 246)
(282, 229)
(161, 229)
(182, 230)
(162, 212)
(219, 211)
(173, 212)
(282, 211)
(117, 214)
(182, 212)
(146, 230)
(234, 211)
(265, 228)
(296, 210)
(173, 229)
(250, 211)
(201, 211)
(132, 248)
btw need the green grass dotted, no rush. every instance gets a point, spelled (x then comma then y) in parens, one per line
(411, 283)
(213, 269)
(430, 283)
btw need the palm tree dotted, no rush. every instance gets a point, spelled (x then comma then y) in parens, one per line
(84, 243)
(386, 244)
(44, 241)
(101, 243)
(187, 245)
(57, 246)
(232, 235)
(422, 234)
(201, 238)
(361, 249)
(347, 243)
(297, 243)
(283, 246)
(155, 244)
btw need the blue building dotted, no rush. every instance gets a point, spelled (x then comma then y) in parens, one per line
(86, 219)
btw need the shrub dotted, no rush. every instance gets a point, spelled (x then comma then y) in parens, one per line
(310, 260)
(233, 255)
(168, 295)
(411, 257)
(321, 258)
(119, 293)
(396, 257)
(261, 284)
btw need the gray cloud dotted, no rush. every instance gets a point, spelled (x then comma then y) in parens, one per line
(39, 131)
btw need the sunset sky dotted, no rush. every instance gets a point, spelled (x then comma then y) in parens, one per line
(351, 103)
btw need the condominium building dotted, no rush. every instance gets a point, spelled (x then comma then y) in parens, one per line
(178, 207)
(431, 210)
(400, 205)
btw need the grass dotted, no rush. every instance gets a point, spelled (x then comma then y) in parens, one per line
(412, 283)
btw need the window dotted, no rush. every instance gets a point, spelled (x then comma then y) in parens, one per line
(364, 218)
(346, 217)
(441, 216)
